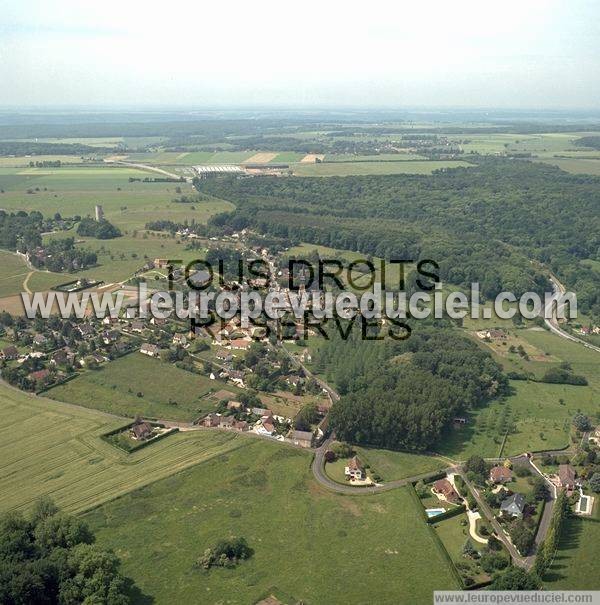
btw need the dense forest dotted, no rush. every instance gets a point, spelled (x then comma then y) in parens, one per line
(402, 394)
(88, 227)
(485, 223)
(50, 557)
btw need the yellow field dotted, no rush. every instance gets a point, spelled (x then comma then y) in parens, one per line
(54, 449)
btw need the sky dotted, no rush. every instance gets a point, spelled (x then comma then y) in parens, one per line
(325, 53)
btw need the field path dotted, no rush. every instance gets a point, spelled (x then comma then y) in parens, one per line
(26, 282)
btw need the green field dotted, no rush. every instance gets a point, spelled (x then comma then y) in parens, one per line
(50, 448)
(308, 542)
(382, 157)
(575, 565)
(390, 465)
(76, 190)
(373, 168)
(114, 388)
(577, 165)
(13, 272)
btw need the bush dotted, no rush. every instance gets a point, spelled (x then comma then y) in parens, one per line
(226, 553)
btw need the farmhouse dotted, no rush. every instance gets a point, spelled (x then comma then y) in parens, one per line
(235, 405)
(566, 476)
(444, 488)
(226, 422)
(500, 474)
(150, 349)
(513, 505)
(355, 469)
(39, 340)
(137, 326)
(179, 339)
(40, 377)
(9, 353)
(141, 431)
(302, 438)
(211, 420)
(240, 344)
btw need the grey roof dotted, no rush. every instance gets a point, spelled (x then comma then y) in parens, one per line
(302, 435)
(514, 503)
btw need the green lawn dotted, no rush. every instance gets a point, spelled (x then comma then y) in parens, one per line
(390, 465)
(367, 168)
(309, 543)
(575, 565)
(453, 533)
(50, 448)
(114, 387)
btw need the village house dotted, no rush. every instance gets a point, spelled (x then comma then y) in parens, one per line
(226, 422)
(40, 377)
(109, 336)
(491, 334)
(85, 330)
(240, 425)
(59, 358)
(110, 321)
(149, 349)
(40, 341)
(211, 420)
(142, 431)
(444, 488)
(513, 505)
(355, 469)
(9, 353)
(179, 339)
(306, 357)
(240, 344)
(235, 405)
(137, 326)
(261, 412)
(566, 476)
(302, 438)
(158, 321)
(500, 474)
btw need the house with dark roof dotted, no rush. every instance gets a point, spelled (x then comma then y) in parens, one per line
(9, 353)
(513, 506)
(142, 431)
(40, 377)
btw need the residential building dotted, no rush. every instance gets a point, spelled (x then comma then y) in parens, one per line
(142, 431)
(500, 474)
(444, 488)
(149, 349)
(513, 505)
(566, 476)
(302, 438)
(355, 469)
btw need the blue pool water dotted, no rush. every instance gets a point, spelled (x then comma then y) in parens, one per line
(433, 512)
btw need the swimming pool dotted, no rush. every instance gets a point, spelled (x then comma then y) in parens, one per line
(434, 512)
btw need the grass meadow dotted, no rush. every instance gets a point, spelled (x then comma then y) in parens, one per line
(51, 448)
(167, 391)
(298, 530)
(575, 565)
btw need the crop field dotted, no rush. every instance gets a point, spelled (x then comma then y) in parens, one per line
(577, 165)
(575, 565)
(76, 190)
(13, 271)
(326, 537)
(382, 157)
(369, 168)
(166, 391)
(50, 448)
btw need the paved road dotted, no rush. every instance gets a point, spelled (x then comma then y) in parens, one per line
(166, 173)
(553, 325)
